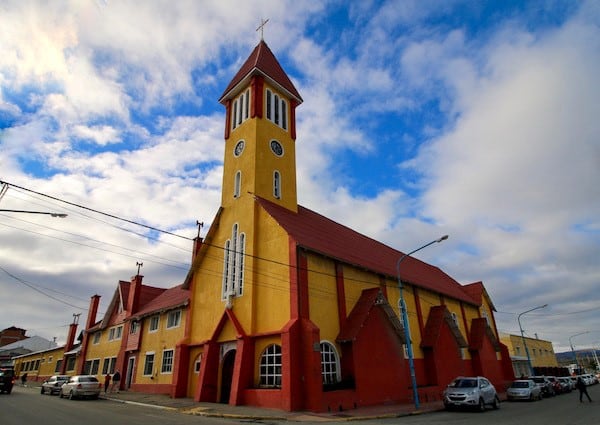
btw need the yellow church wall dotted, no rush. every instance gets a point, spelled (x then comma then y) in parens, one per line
(322, 295)
(194, 370)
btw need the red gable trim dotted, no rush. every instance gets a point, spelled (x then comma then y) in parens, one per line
(437, 316)
(369, 299)
(262, 61)
(321, 235)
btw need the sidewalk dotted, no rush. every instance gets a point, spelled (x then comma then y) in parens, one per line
(191, 407)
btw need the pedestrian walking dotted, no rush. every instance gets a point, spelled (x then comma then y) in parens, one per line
(106, 382)
(116, 381)
(582, 387)
(24, 379)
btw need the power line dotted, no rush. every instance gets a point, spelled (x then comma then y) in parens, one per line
(96, 211)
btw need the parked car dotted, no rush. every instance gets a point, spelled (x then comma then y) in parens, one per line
(566, 383)
(52, 385)
(81, 386)
(544, 384)
(474, 392)
(7, 379)
(523, 389)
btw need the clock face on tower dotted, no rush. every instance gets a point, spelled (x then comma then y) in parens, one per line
(276, 148)
(239, 148)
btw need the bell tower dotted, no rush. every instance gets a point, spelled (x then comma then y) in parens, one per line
(260, 133)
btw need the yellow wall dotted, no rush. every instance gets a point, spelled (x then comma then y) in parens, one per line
(39, 365)
(104, 348)
(157, 342)
(541, 352)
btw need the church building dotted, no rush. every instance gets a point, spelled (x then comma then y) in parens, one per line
(289, 309)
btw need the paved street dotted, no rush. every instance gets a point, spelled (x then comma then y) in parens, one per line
(27, 406)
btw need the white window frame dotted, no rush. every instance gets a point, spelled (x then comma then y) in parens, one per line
(134, 327)
(96, 338)
(174, 319)
(233, 264)
(146, 355)
(154, 320)
(276, 184)
(276, 109)
(330, 363)
(166, 366)
(240, 109)
(270, 367)
(237, 184)
(111, 334)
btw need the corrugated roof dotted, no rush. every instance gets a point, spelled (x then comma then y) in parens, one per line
(262, 61)
(322, 235)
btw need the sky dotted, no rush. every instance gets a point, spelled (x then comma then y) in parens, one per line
(476, 119)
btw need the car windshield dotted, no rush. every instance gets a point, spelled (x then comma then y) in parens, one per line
(520, 384)
(538, 380)
(465, 383)
(87, 379)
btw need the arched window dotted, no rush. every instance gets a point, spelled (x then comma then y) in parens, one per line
(233, 264)
(237, 184)
(277, 184)
(330, 364)
(270, 367)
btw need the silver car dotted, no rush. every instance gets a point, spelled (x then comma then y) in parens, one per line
(524, 389)
(81, 386)
(52, 385)
(475, 392)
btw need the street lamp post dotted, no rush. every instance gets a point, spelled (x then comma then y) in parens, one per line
(409, 351)
(523, 337)
(573, 350)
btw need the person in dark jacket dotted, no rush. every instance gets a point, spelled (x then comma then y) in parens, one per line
(582, 389)
(116, 382)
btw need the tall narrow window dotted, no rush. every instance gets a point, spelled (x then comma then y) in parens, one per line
(269, 115)
(276, 184)
(233, 264)
(237, 184)
(234, 113)
(276, 109)
(276, 105)
(240, 109)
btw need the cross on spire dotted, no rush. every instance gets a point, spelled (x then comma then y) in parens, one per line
(261, 27)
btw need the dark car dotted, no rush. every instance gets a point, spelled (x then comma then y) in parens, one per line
(53, 384)
(545, 385)
(7, 379)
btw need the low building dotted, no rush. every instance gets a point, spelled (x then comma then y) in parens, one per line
(137, 335)
(541, 353)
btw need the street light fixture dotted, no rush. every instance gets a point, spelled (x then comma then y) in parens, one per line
(523, 337)
(573, 350)
(53, 214)
(409, 351)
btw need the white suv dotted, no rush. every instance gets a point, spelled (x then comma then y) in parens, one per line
(475, 391)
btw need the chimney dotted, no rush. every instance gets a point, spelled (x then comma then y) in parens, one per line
(196, 247)
(93, 311)
(71, 337)
(135, 290)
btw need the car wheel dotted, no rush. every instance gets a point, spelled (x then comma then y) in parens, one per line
(496, 403)
(42, 391)
(481, 406)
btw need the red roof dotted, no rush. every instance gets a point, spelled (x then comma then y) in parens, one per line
(168, 299)
(262, 61)
(322, 235)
